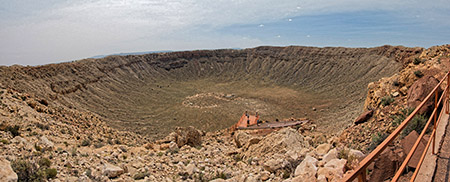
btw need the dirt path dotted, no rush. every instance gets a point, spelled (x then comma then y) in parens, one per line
(442, 172)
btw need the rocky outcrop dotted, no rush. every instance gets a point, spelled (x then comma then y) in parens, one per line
(280, 142)
(184, 136)
(6, 172)
(420, 90)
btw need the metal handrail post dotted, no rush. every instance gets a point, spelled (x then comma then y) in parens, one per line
(435, 117)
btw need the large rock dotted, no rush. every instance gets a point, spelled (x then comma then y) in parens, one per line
(112, 171)
(243, 139)
(323, 149)
(307, 168)
(6, 172)
(386, 164)
(278, 142)
(356, 154)
(407, 144)
(419, 90)
(191, 168)
(45, 143)
(185, 136)
(332, 154)
(364, 117)
(273, 165)
(333, 169)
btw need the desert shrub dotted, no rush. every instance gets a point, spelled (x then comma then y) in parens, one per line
(386, 100)
(237, 157)
(343, 153)
(98, 145)
(51, 173)
(141, 175)
(44, 162)
(399, 118)
(42, 126)
(418, 73)
(85, 142)
(396, 83)
(73, 151)
(417, 61)
(27, 171)
(37, 147)
(14, 130)
(417, 123)
(43, 102)
(4, 141)
(376, 140)
(220, 175)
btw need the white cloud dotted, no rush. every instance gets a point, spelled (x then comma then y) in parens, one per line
(80, 28)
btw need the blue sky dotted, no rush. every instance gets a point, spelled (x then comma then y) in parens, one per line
(50, 31)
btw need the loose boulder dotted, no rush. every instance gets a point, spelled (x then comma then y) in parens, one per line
(112, 171)
(386, 164)
(364, 117)
(407, 144)
(278, 142)
(184, 136)
(419, 90)
(307, 168)
(6, 172)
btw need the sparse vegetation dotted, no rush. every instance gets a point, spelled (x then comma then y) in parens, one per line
(42, 126)
(141, 175)
(85, 142)
(417, 61)
(4, 141)
(14, 130)
(418, 73)
(343, 153)
(29, 171)
(387, 100)
(51, 173)
(45, 162)
(237, 157)
(399, 118)
(417, 123)
(376, 140)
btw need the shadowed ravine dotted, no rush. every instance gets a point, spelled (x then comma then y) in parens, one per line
(151, 94)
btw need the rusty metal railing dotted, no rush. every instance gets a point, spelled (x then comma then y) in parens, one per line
(360, 171)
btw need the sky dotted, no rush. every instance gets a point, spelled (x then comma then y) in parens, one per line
(51, 31)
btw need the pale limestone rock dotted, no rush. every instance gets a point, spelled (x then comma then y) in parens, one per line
(191, 168)
(45, 143)
(321, 178)
(273, 165)
(173, 146)
(6, 172)
(357, 154)
(332, 154)
(112, 171)
(322, 149)
(265, 176)
(307, 168)
(304, 179)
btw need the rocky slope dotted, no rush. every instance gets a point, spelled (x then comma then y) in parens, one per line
(41, 142)
(51, 128)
